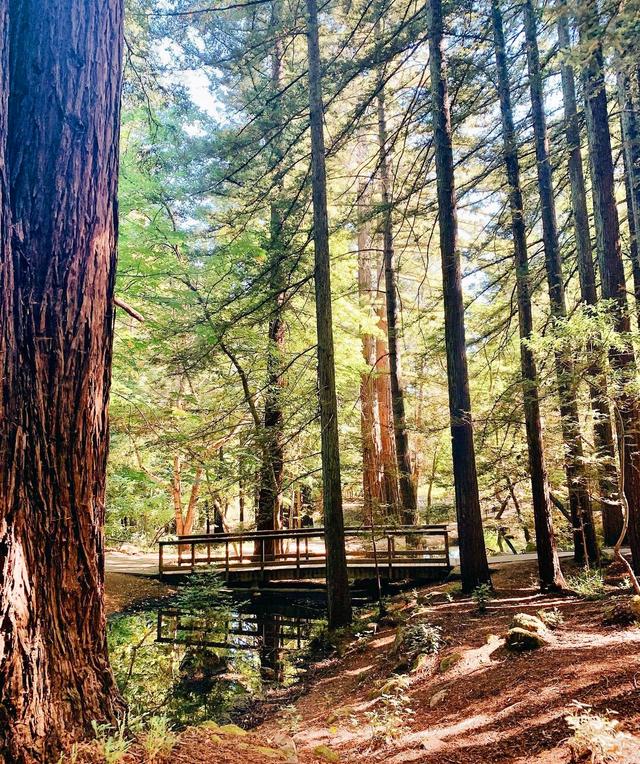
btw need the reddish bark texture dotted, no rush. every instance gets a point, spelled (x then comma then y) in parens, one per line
(370, 416)
(57, 314)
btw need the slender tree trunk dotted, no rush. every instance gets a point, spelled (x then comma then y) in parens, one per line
(193, 502)
(391, 491)
(405, 477)
(634, 255)
(176, 494)
(473, 555)
(369, 418)
(62, 159)
(338, 595)
(631, 155)
(598, 393)
(272, 468)
(612, 275)
(585, 544)
(548, 561)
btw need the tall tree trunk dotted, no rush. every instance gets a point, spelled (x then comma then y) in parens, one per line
(598, 393)
(391, 491)
(272, 468)
(369, 417)
(612, 275)
(634, 253)
(585, 545)
(473, 555)
(176, 494)
(62, 159)
(338, 595)
(548, 561)
(408, 495)
(631, 155)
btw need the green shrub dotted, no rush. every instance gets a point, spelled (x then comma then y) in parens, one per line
(588, 584)
(481, 596)
(422, 638)
(551, 618)
(158, 740)
(112, 743)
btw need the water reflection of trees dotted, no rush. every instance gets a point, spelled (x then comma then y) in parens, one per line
(197, 665)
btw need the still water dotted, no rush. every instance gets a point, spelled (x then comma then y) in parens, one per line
(205, 654)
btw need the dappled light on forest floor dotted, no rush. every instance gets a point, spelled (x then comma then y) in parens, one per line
(466, 699)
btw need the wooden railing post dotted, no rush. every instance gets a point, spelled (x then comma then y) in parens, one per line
(193, 556)
(389, 554)
(226, 558)
(446, 546)
(298, 555)
(160, 558)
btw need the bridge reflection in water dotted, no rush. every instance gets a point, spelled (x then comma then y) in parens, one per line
(393, 553)
(275, 639)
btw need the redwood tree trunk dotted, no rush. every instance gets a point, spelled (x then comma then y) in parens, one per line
(408, 497)
(369, 416)
(612, 275)
(338, 595)
(603, 431)
(390, 492)
(62, 159)
(585, 544)
(548, 561)
(473, 555)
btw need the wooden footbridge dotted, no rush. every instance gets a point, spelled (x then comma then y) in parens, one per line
(394, 553)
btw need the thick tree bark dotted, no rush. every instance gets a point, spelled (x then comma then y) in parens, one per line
(408, 495)
(62, 157)
(603, 430)
(473, 555)
(612, 275)
(372, 474)
(548, 561)
(585, 544)
(338, 595)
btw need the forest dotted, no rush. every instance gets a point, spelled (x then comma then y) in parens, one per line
(320, 399)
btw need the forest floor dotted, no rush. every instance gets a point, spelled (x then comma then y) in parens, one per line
(472, 702)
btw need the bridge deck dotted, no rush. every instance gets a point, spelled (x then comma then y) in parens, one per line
(395, 553)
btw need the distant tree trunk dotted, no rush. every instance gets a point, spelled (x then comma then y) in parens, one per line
(242, 490)
(612, 275)
(369, 417)
(57, 313)
(272, 468)
(634, 254)
(405, 477)
(585, 544)
(473, 555)
(548, 561)
(391, 491)
(603, 431)
(338, 595)
(631, 155)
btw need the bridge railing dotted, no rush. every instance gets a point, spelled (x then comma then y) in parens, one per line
(302, 548)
